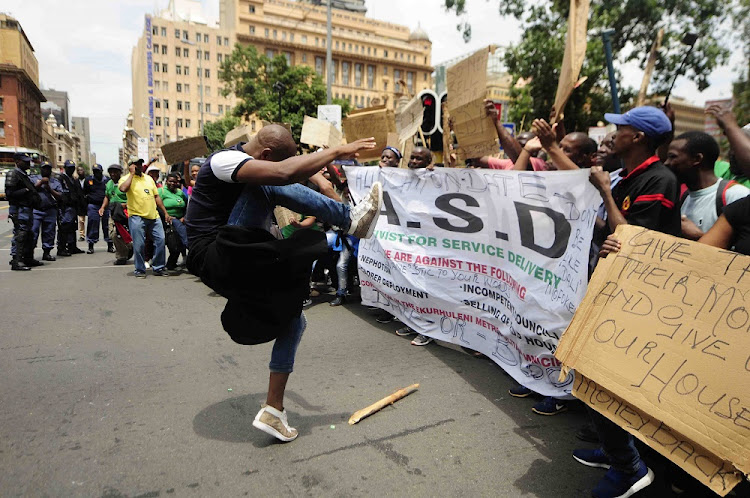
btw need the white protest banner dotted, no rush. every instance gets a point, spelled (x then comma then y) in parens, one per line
(496, 261)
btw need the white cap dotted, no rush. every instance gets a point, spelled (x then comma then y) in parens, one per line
(152, 168)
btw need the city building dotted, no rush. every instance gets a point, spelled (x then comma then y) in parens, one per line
(129, 141)
(350, 5)
(61, 145)
(688, 117)
(374, 62)
(80, 126)
(58, 104)
(175, 71)
(20, 115)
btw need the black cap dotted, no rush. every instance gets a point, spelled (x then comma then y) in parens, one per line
(45, 164)
(114, 166)
(96, 167)
(20, 156)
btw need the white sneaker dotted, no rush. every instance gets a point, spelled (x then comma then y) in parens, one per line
(273, 422)
(147, 264)
(365, 215)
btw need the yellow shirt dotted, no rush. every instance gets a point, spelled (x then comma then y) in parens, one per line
(141, 196)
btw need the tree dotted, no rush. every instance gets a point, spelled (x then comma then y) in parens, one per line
(251, 77)
(216, 131)
(539, 54)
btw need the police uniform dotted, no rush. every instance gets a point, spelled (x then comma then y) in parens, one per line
(22, 198)
(94, 191)
(72, 200)
(45, 216)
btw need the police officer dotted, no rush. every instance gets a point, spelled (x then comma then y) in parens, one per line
(72, 202)
(94, 189)
(22, 197)
(45, 216)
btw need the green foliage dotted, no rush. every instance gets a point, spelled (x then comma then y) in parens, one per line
(85, 167)
(251, 77)
(539, 54)
(216, 131)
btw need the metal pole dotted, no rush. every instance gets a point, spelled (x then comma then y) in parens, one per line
(329, 57)
(279, 87)
(280, 121)
(611, 69)
(200, 70)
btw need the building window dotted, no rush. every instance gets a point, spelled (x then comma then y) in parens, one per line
(304, 57)
(385, 86)
(187, 105)
(165, 85)
(187, 123)
(385, 53)
(269, 53)
(163, 31)
(179, 90)
(163, 50)
(208, 92)
(200, 106)
(208, 106)
(177, 51)
(158, 139)
(166, 121)
(425, 76)
(178, 69)
(186, 53)
(357, 74)
(345, 66)
(288, 57)
(317, 41)
(337, 44)
(164, 68)
(166, 104)
(370, 77)
(368, 52)
(206, 73)
(221, 109)
(156, 67)
(184, 35)
(157, 104)
(205, 38)
(177, 33)
(187, 71)
(156, 48)
(291, 37)
(283, 35)
(335, 71)
(207, 56)
(252, 9)
(319, 65)
(197, 37)
(410, 81)
(396, 77)
(220, 57)
(252, 30)
(198, 54)
(2, 129)
(350, 47)
(157, 121)
(218, 40)
(226, 41)
(187, 88)
(266, 31)
(179, 122)
(179, 102)
(304, 38)
(275, 34)
(385, 70)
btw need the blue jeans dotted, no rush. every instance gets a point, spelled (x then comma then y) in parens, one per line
(138, 227)
(46, 221)
(342, 269)
(254, 209)
(617, 444)
(92, 227)
(179, 227)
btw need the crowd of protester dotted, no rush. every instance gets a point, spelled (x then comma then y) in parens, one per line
(645, 175)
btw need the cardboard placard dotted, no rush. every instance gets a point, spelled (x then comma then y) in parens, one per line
(660, 346)
(375, 122)
(575, 52)
(409, 119)
(179, 151)
(467, 90)
(331, 114)
(242, 133)
(319, 133)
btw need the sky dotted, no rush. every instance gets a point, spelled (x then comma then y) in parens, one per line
(84, 47)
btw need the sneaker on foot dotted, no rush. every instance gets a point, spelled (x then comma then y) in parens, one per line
(618, 484)
(273, 422)
(147, 264)
(139, 274)
(404, 331)
(592, 458)
(520, 391)
(384, 317)
(161, 273)
(550, 406)
(364, 215)
(421, 340)
(307, 302)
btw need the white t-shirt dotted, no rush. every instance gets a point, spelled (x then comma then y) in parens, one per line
(700, 205)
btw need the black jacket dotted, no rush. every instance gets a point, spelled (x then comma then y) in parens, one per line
(72, 194)
(265, 280)
(20, 190)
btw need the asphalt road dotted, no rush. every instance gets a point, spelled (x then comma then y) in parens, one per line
(113, 386)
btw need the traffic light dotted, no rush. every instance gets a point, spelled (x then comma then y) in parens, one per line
(431, 113)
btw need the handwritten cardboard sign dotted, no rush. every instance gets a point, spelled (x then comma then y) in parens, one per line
(319, 133)
(467, 89)
(575, 52)
(375, 122)
(409, 119)
(179, 151)
(661, 346)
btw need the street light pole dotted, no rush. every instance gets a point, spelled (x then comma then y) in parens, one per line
(200, 78)
(610, 68)
(329, 57)
(279, 87)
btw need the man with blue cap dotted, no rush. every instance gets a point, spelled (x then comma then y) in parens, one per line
(45, 216)
(647, 195)
(72, 202)
(94, 187)
(22, 197)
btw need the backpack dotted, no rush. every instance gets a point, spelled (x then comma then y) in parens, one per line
(721, 195)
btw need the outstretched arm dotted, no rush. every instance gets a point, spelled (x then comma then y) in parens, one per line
(508, 142)
(738, 141)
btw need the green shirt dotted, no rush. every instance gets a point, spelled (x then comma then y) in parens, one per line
(288, 230)
(114, 194)
(721, 169)
(174, 202)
